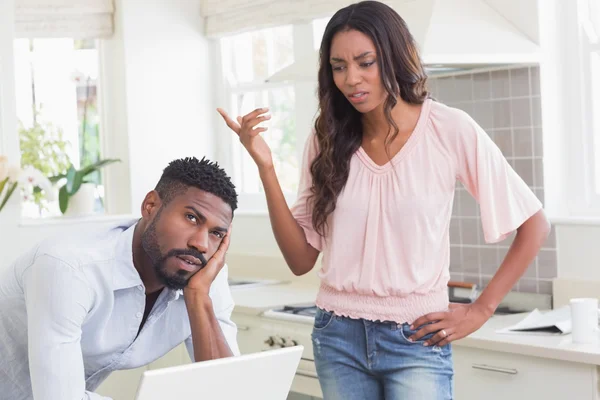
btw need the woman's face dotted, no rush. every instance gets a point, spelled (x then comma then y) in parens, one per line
(355, 70)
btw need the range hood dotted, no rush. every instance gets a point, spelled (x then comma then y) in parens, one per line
(456, 35)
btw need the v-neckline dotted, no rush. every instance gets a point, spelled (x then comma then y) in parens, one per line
(405, 149)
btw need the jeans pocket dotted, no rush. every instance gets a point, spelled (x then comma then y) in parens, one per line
(323, 319)
(406, 332)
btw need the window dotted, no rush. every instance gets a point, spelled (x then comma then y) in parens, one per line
(590, 33)
(319, 26)
(248, 59)
(56, 85)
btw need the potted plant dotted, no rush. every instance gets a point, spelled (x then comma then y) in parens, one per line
(44, 149)
(77, 196)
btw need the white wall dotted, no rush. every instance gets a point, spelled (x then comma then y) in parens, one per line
(8, 140)
(578, 251)
(170, 111)
(161, 106)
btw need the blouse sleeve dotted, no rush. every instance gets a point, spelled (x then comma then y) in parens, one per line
(505, 200)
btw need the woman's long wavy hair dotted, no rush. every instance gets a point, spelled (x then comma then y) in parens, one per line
(338, 126)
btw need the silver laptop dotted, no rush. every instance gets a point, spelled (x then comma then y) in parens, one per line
(267, 375)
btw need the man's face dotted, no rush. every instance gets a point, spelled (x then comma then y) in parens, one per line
(184, 235)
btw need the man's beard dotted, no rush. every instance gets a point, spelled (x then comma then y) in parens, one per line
(177, 280)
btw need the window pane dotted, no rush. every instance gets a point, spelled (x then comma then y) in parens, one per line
(56, 94)
(319, 26)
(595, 15)
(595, 88)
(281, 138)
(590, 20)
(254, 56)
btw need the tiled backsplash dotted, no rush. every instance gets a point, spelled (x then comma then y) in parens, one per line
(506, 103)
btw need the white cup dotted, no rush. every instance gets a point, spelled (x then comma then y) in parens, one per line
(584, 320)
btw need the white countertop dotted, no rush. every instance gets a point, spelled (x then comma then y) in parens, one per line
(558, 347)
(255, 301)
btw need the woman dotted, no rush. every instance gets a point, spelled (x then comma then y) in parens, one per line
(375, 197)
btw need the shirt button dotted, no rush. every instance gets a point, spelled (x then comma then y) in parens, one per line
(140, 288)
(139, 315)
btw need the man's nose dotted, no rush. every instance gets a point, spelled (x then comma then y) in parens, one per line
(199, 241)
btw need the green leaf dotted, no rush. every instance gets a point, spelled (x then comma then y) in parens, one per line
(10, 191)
(77, 181)
(2, 184)
(63, 199)
(70, 179)
(96, 166)
(54, 179)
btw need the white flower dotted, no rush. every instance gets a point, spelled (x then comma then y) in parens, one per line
(3, 168)
(33, 177)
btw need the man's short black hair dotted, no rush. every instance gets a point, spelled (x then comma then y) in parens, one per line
(202, 174)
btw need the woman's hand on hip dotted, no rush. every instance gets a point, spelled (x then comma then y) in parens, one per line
(249, 135)
(459, 321)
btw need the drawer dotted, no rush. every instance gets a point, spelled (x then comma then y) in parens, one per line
(306, 380)
(494, 375)
(251, 334)
(254, 331)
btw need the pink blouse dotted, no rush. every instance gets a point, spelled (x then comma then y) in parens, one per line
(386, 252)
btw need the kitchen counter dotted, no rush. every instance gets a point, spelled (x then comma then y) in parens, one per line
(257, 300)
(557, 347)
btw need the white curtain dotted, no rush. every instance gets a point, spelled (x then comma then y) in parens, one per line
(225, 17)
(79, 19)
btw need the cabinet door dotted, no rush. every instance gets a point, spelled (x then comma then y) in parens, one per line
(252, 333)
(121, 385)
(177, 356)
(483, 374)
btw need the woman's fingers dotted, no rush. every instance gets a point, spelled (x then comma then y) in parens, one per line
(230, 123)
(252, 115)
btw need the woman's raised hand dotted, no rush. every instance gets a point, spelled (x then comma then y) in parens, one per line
(249, 135)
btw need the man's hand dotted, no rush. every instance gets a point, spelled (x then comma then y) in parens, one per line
(201, 281)
(207, 337)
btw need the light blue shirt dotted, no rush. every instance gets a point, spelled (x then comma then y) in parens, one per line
(70, 311)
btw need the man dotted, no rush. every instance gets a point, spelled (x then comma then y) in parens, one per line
(74, 309)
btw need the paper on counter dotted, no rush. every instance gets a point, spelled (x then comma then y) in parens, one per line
(554, 322)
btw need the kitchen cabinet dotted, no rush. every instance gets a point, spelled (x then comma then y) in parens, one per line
(122, 385)
(479, 373)
(493, 375)
(256, 333)
(252, 334)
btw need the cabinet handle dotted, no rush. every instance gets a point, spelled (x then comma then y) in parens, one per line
(308, 374)
(243, 328)
(510, 371)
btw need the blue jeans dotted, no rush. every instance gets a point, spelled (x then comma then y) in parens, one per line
(366, 360)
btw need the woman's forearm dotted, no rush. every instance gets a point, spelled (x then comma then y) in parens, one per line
(530, 237)
(298, 253)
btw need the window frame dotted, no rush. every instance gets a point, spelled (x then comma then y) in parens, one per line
(580, 199)
(568, 141)
(305, 101)
(110, 193)
(591, 158)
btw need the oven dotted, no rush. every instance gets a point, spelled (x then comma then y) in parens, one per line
(278, 328)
